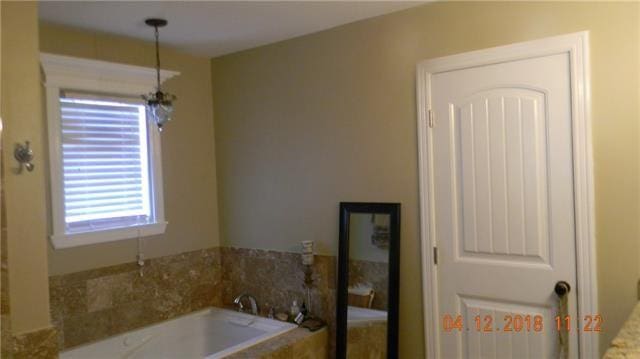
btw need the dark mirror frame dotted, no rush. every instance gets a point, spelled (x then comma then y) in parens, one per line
(393, 210)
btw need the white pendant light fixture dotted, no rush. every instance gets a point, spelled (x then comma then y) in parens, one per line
(159, 103)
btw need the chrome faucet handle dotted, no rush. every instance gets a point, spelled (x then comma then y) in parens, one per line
(240, 307)
(238, 302)
(24, 155)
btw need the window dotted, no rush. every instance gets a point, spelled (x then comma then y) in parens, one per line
(105, 164)
(106, 178)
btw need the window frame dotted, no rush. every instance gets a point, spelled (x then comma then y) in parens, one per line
(98, 77)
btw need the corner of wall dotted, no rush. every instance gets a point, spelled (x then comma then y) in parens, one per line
(24, 195)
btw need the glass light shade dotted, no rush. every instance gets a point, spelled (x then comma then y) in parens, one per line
(160, 113)
(160, 108)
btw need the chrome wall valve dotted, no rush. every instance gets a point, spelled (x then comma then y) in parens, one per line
(24, 155)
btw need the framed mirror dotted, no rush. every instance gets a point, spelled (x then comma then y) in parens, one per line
(368, 275)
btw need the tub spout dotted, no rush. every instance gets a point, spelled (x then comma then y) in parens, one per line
(252, 300)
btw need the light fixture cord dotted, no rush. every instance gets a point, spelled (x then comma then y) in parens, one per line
(157, 58)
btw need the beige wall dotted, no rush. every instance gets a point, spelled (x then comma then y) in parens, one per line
(24, 193)
(188, 155)
(306, 123)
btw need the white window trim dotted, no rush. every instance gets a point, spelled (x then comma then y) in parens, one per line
(70, 73)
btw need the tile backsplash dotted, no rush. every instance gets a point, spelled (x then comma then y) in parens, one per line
(94, 304)
(276, 279)
(98, 303)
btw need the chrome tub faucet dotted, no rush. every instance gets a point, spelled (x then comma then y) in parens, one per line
(252, 300)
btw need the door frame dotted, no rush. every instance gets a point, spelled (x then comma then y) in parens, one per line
(576, 45)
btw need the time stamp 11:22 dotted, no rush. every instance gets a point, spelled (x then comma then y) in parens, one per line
(521, 323)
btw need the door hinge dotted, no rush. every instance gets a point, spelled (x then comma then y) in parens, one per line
(430, 118)
(435, 255)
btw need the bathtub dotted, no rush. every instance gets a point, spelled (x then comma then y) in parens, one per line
(210, 333)
(357, 315)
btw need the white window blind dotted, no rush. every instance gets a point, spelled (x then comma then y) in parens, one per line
(105, 164)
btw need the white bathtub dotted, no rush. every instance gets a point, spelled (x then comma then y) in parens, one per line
(357, 315)
(210, 333)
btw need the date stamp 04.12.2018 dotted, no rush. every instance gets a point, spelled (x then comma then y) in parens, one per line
(488, 323)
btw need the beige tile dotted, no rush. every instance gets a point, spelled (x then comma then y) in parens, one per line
(83, 328)
(132, 316)
(367, 341)
(40, 344)
(99, 294)
(5, 337)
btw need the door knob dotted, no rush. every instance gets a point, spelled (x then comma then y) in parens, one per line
(562, 288)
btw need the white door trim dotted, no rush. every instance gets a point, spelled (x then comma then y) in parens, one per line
(577, 46)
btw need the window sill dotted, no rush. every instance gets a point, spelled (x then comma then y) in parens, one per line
(110, 235)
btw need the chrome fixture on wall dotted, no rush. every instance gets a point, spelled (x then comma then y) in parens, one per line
(159, 103)
(24, 154)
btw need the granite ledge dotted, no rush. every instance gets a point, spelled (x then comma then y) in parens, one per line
(627, 343)
(38, 344)
(297, 343)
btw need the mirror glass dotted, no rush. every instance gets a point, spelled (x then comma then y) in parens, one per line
(367, 303)
(368, 289)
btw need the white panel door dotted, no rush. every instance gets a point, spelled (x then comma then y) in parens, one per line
(503, 206)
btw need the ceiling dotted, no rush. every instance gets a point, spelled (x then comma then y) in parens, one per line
(213, 28)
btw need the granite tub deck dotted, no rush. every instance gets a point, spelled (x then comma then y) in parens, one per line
(297, 343)
(627, 343)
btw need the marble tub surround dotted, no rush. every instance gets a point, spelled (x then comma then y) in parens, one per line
(276, 279)
(375, 274)
(39, 344)
(298, 343)
(367, 340)
(95, 304)
(627, 343)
